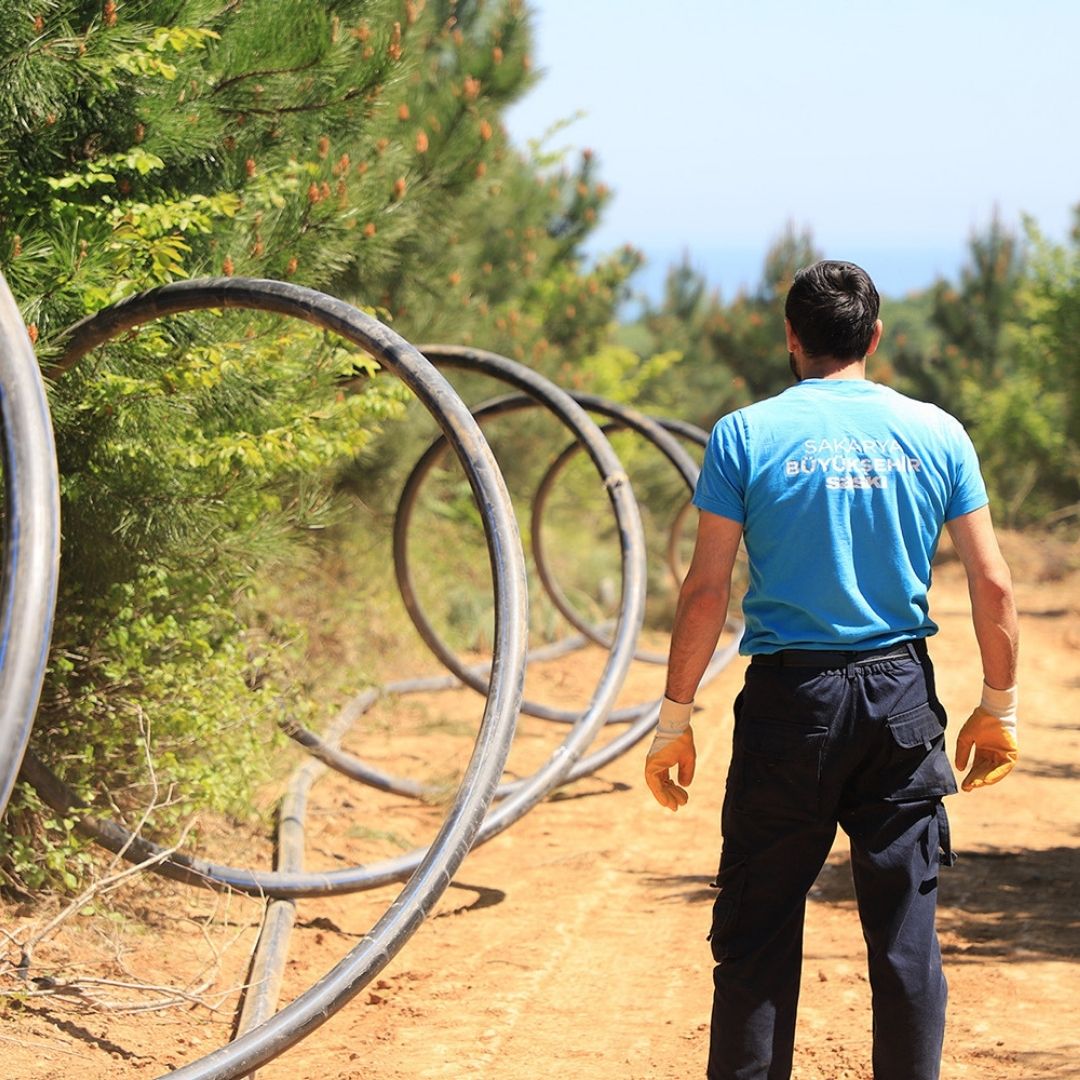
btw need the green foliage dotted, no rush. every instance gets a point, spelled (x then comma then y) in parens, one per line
(186, 467)
(360, 152)
(909, 334)
(973, 316)
(40, 847)
(505, 273)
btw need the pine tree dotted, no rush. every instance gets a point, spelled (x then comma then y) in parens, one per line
(1024, 409)
(969, 318)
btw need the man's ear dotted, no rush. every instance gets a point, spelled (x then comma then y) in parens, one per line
(875, 338)
(789, 334)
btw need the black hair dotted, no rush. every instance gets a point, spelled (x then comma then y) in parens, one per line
(833, 308)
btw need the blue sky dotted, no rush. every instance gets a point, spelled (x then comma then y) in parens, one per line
(891, 129)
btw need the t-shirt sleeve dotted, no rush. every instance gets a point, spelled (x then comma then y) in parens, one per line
(721, 486)
(969, 491)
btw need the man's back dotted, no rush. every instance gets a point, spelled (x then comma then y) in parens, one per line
(842, 487)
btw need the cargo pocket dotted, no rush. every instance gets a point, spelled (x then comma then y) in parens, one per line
(920, 767)
(725, 913)
(777, 769)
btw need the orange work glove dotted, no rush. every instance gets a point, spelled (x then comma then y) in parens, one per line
(991, 730)
(672, 745)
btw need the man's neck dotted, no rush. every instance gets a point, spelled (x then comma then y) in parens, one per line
(834, 369)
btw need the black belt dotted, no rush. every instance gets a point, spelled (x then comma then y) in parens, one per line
(907, 650)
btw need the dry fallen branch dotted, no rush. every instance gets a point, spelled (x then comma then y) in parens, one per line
(143, 995)
(146, 996)
(101, 887)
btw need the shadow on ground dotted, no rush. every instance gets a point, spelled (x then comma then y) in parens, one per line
(1012, 903)
(1016, 903)
(1050, 770)
(82, 1034)
(1019, 902)
(683, 888)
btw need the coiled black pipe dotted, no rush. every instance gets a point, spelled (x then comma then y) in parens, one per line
(272, 950)
(521, 378)
(527, 793)
(478, 680)
(327, 751)
(434, 869)
(564, 764)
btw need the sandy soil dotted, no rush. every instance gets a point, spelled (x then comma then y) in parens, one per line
(574, 944)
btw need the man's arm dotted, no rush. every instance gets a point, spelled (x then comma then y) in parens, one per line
(991, 728)
(993, 610)
(699, 618)
(703, 603)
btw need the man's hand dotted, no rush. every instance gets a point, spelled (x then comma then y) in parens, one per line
(672, 746)
(991, 730)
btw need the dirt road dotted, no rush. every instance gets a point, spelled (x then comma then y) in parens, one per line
(574, 945)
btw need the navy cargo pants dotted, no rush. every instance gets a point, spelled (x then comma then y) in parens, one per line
(821, 739)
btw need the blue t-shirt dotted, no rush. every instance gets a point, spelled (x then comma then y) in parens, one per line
(842, 487)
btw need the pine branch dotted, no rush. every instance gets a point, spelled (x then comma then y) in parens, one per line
(283, 110)
(265, 73)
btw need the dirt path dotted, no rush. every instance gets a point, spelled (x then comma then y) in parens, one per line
(573, 945)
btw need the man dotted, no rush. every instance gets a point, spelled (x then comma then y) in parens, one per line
(840, 488)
